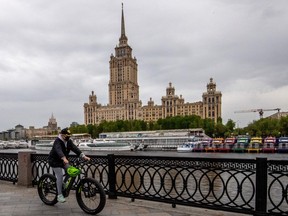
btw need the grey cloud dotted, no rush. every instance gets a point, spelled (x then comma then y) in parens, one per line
(54, 53)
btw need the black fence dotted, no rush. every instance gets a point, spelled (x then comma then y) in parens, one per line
(249, 186)
(9, 167)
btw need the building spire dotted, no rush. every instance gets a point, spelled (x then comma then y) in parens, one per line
(123, 39)
(122, 23)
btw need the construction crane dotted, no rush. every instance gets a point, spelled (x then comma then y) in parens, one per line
(260, 111)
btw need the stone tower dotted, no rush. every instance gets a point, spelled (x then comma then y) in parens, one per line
(212, 102)
(52, 123)
(123, 83)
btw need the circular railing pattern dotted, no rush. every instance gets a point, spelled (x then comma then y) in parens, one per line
(40, 166)
(9, 167)
(278, 187)
(222, 184)
(98, 169)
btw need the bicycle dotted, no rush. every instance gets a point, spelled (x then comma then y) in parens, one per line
(90, 194)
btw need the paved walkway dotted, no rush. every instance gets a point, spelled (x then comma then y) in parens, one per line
(17, 200)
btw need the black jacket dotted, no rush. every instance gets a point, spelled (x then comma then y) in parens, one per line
(59, 150)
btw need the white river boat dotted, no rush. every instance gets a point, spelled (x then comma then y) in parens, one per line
(186, 147)
(44, 146)
(106, 146)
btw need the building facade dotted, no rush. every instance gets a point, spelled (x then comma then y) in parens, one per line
(29, 133)
(52, 124)
(124, 102)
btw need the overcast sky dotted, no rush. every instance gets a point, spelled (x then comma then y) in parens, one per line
(53, 53)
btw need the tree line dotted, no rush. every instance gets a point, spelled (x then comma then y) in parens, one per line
(262, 128)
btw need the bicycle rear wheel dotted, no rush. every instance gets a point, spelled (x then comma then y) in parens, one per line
(47, 189)
(90, 196)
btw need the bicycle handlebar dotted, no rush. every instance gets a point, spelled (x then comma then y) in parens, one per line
(80, 161)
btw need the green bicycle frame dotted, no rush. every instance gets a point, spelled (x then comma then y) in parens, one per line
(68, 184)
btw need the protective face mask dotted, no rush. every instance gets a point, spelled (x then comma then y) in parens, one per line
(66, 138)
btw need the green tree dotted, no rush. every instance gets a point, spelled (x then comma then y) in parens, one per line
(219, 130)
(79, 129)
(230, 126)
(283, 126)
(209, 126)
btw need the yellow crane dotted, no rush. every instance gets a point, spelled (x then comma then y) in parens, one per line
(260, 111)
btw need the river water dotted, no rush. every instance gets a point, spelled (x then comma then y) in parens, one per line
(269, 156)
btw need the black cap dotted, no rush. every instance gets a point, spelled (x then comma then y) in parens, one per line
(65, 131)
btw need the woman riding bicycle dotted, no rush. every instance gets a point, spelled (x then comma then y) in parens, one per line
(58, 158)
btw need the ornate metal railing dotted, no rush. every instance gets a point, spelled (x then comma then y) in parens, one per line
(277, 187)
(97, 168)
(257, 187)
(40, 166)
(224, 184)
(9, 167)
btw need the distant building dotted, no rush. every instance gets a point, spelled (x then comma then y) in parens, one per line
(23, 133)
(50, 129)
(19, 132)
(124, 103)
(32, 132)
(13, 134)
(52, 124)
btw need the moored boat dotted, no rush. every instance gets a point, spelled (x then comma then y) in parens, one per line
(200, 147)
(217, 142)
(22, 144)
(210, 147)
(283, 145)
(241, 144)
(141, 147)
(155, 140)
(190, 144)
(269, 145)
(1, 144)
(5, 144)
(227, 145)
(44, 146)
(11, 144)
(255, 145)
(106, 146)
(185, 147)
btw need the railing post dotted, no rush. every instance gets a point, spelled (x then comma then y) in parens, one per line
(111, 177)
(261, 187)
(25, 168)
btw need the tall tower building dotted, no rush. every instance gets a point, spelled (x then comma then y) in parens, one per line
(52, 123)
(123, 84)
(123, 87)
(124, 103)
(212, 102)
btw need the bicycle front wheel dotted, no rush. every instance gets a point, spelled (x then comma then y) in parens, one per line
(90, 196)
(47, 189)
